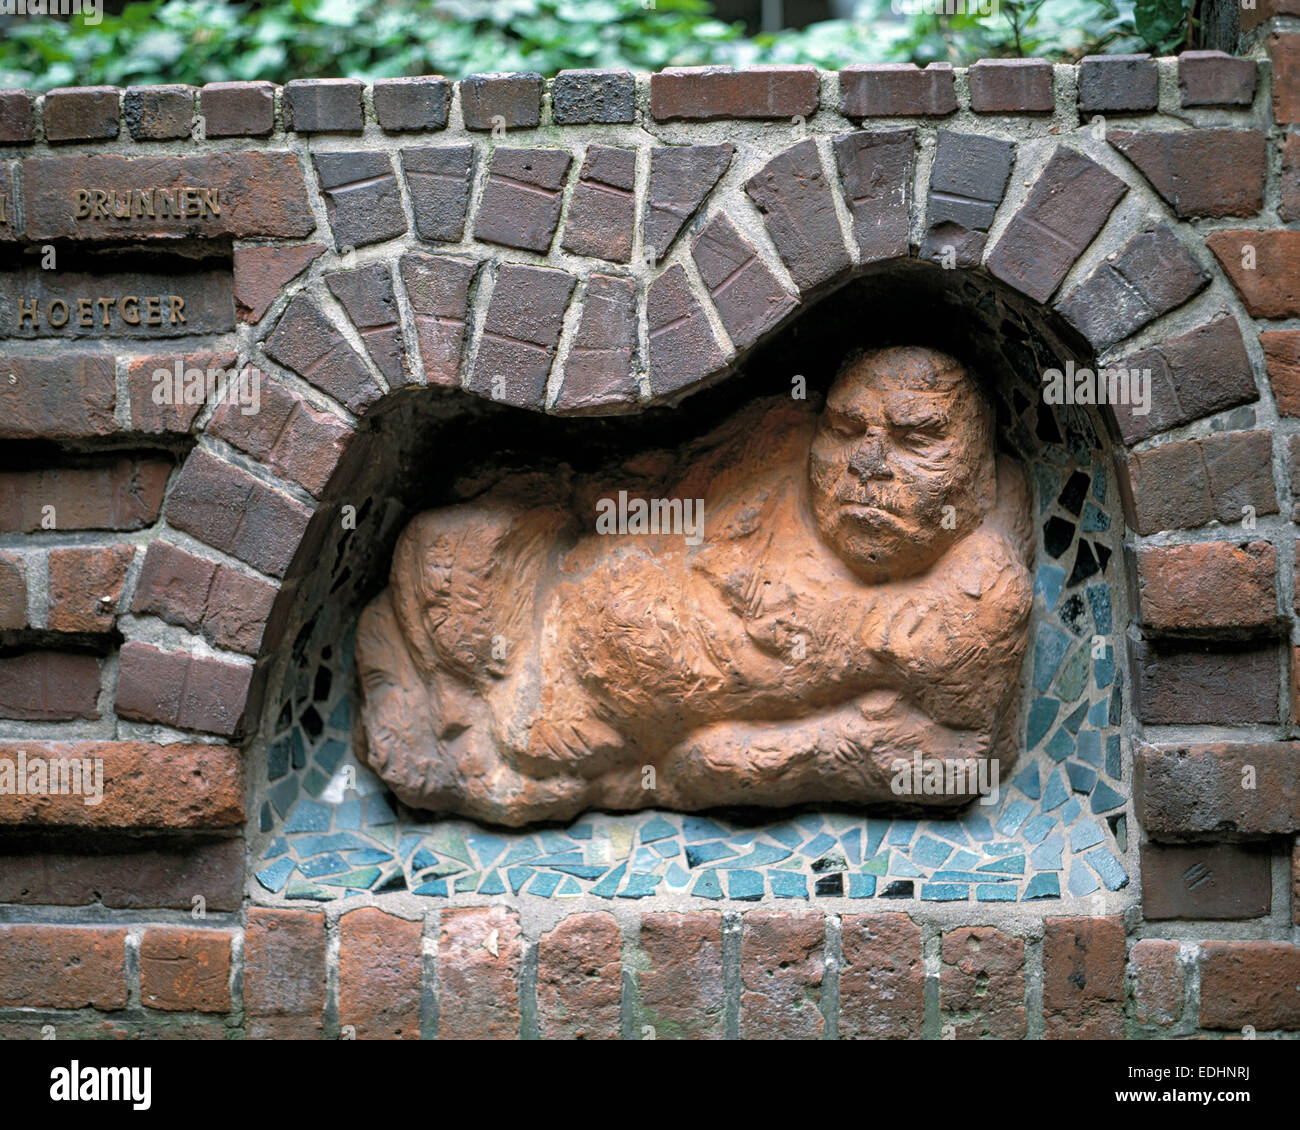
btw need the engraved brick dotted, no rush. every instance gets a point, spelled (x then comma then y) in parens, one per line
(366, 294)
(683, 350)
(406, 105)
(238, 109)
(521, 200)
(85, 586)
(896, 90)
(875, 170)
(513, 99)
(437, 287)
(1117, 84)
(70, 397)
(520, 334)
(184, 970)
(1011, 86)
(1206, 881)
(1213, 78)
(438, 181)
(702, 94)
(749, 298)
(598, 372)
(102, 494)
(602, 210)
(582, 97)
(681, 178)
(323, 105)
(284, 972)
(306, 341)
(159, 113)
(1083, 978)
(362, 197)
(81, 113)
(49, 686)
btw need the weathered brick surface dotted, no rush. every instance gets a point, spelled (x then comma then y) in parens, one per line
(1070, 201)
(681, 177)
(156, 407)
(261, 273)
(982, 984)
(708, 93)
(1250, 983)
(782, 961)
(1264, 10)
(1117, 84)
(169, 875)
(62, 966)
(238, 109)
(749, 297)
(49, 686)
(284, 972)
(520, 333)
(1214, 78)
(683, 350)
(1207, 585)
(405, 105)
(1011, 86)
(602, 210)
(13, 592)
(1206, 881)
(1157, 980)
(183, 690)
(795, 198)
(1264, 267)
(1202, 172)
(438, 181)
(362, 197)
(17, 116)
(159, 113)
(81, 113)
(306, 341)
(68, 397)
(109, 494)
(580, 97)
(1284, 53)
(513, 100)
(480, 950)
(1199, 683)
(1295, 883)
(598, 371)
(580, 979)
(379, 975)
(882, 982)
(1288, 208)
(323, 105)
(1083, 978)
(85, 586)
(366, 295)
(681, 981)
(437, 288)
(875, 171)
(520, 206)
(892, 90)
(184, 970)
(1245, 788)
(10, 218)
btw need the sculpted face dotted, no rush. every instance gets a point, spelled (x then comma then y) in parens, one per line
(904, 435)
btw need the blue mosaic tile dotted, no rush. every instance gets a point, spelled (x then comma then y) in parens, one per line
(437, 888)
(657, 829)
(978, 826)
(1037, 827)
(329, 864)
(341, 718)
(273, 877)
(1088, 748)
(1108, 867)
(931, 852)
(277, 760)
(1095, 520)
(308, 816)
(861, 886)
(964, 861)
(283, 795)
(950, 830)
(745, 886)
(1070, 811)
(1042, 713)
(1050, 646)
(330, 755)
(996, 892)
(347, 816)
(1099, 602)
(818, 844)
(1027, 782)
(1075, 718)
(522, 852)
(901, 833)
(1048, 583)
(787, 885)
(1009, 865)
(1097, 713)
(667, 849)
(947, 875)
(898, 889)
(359, 879)
(901, 865)
(608, 886)
(1013, 816)
(765, 854)
(1043, 886)
(581, 831)
(944, 892)
(1113, 768)
(638, 886)
(488, 848)
(1002, 848)
(279, 846)
(468, 882)
(852, 841)
(1061, 745)
(707, 886)
(1047, 856)
(1104, 798)
(1082, 779)
(492, 884)
(1082, 881)
(518, 876)
(697, 855)
(544, 884)
(696, 828)
(379, 811)
(556, 844)
(677, 876)
(1103, 670)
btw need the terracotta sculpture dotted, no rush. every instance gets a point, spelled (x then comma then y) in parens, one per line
(857, 592)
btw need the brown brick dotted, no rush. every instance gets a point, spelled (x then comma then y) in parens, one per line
(1295, 883)
(480, 951)
(882, 982)
(86, 586)
(520, 205)
(520, 333)
(1214, 78)
(749, 298)
(184, 970)
(284, 971)
(1271, 287)
(702, 94)
(782, 961)
(10, 217)
(1111, 84)
(259, 194)
(117, 494)
(1157, 982)
(142, 1026)
(438, 181)
(681, 178)
(437, 288)
(49, 686)
(1284, 52)
(1011, 86)
(580, 979)
(982, 984)
(131, 878)
(1201, 172)
(582, 97)
(159, 113)
(366, 295)
(13, 592)
(1201, 684)
(1207, 585)
(238, 109)
(17, 116)
(68, 397)
(875, 171)
(1206, 881)
(681, 982)
(156, 407)
(598, 371)
(1288, 208)
(62, 967)
(514, 99)
(795, 198)
(602, 210)
(379, 975)
(261, 273)
(81, 113)
(683, 350)
(178, 689)
(1188, 790)
(412, 104)
(1250, 983)
(323, 105)
(1083, 978)
(362, 197)
(145, 786)
(896, 90)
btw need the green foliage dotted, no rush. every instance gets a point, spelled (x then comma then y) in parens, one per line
(198, 41)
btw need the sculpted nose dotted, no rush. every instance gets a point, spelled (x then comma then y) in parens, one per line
(868, 459)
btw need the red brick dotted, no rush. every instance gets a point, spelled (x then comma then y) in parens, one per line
(13, 592)
(159, 113)
(583, 97)
(1214, 78)
(156, 409)
(110, 494)
(1011, 86)
(1250, 983)
(69, 397)
(703, 94)
(145, 786)
(81, 113)
(1207, 585)
(1083, 978)
(62, 967)
(598, 371)
(1288, 208)
(147, 1026)
(1203, 172)
(683, 350)
(1200, 882)
(10, 219)
(982, 984)
(1295, 883)
(580, 979)
(602, 210)
(681, 178)
(305, 341)
(284, 972)
(183, 690)
(86, 586)
(749, 298)
(238, 109)
(183, 970)
(882, 982)
(1284, 51)
(1157, 982)
(782, 962)
(681, 982)
(875, 170)
(513, 99)
(49, 686)
(17, 116)
(1193, 682)
(480, 950)
(261, 273)
(366, 295)
(323, 105)
(521, 200)
(362, 198)
(1271, 288)
(1282, 362)
(379, 975)
(438, 288)
(438, 182)
(894, 90)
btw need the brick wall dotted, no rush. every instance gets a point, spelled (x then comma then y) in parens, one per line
(603, 243)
